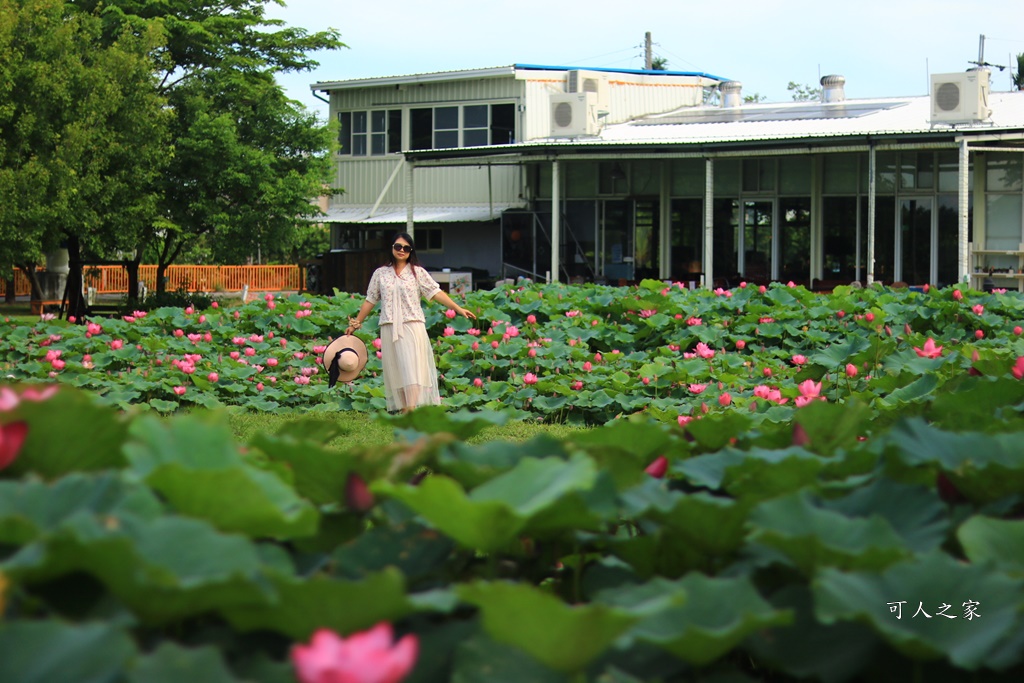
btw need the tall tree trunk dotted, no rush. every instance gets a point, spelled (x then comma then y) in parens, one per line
(132, 266)
(30, 274)
(9, 295)
(75, 295)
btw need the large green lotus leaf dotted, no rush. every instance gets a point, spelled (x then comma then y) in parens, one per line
(715, 430)
(889, 600)
(977, 405)
(552, 494)
(480, 659)
(831, 426)
(69, 432)
(171, 663)
(717, 616)
(809, 649)
(710, 525)
(812, 536)
(304, 605)
(417, 551)
(912, 392)
(838, 355)
(640, 439)
(463, 423)
(163, 569)
(1000, 541)
(29, 508)
(755, 474)
(916, 513)
(51, 651)
(318, 473)
(472, 465)
(194, 463)
(560, 636)
(487, 526)
(984, 467)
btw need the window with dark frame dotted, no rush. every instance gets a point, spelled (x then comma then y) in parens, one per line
(369, 133)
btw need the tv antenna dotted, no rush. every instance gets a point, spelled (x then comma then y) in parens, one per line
(981, 55)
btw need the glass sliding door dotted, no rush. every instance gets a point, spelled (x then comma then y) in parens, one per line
(646, 240)
(687, 256)
(726, 238)
(757, 240)
(795, 240)
(617, 241)
(885, 237)
(916, 241)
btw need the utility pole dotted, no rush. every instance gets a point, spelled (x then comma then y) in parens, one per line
(647, 51)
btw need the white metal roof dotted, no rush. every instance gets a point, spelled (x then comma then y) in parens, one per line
(422, 214)
(487, 72)
(803, 120)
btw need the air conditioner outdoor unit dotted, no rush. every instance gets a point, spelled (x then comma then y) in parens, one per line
(574, 115)
(578, 81)
(960, 97)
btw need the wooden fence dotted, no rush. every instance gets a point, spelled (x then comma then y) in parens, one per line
(114, 279)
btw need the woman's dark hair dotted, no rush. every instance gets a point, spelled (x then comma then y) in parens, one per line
(413, 261)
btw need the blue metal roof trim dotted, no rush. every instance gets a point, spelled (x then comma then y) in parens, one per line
(645, 72)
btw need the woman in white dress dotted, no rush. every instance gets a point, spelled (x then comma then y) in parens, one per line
(410, 376)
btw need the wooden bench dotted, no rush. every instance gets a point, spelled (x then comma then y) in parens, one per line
(38, 307)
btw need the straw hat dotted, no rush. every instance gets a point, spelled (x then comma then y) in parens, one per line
(344, 359)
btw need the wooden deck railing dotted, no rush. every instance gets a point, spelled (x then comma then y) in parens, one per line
(114, 279)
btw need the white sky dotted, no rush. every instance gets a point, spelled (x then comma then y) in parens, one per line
(883, 47)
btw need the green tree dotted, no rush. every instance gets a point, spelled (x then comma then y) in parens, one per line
(246, 160)
(803, 93)
(82, 131)
(659, 64)
(1018, 76)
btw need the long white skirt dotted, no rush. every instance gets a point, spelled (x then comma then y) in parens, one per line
(410, 375)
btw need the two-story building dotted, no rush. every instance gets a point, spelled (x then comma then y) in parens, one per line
(674, 176)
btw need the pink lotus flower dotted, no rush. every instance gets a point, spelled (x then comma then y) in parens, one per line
(128, 318)
(358, 496)
(57, 364)
(740, 344)
(189, 310)
(478, 382)
(259, 386)
(494, 344)
(116, 344)
(930, 350)
(213, 377)
(450, 313)
(577, 385)
(851, 370)
(684, 420)
(725, 399)
(694, 322)
(809, 388)
(512, 331)
(648, 312)
(762, 289)
(235, 354)
(645, 380)
(979, 334)
(764, 320)
(799, 359)
(214, 304)
(869, 316)
(449, 331)
(179, 333)
(1018, 330)
(12, 436)
(658, 467)
(978, 309)
(704, 351)
(532, 353)
(958, 295)
(531, 319)
(301, 379)
(529, 378)
(93, 328)
(767, 372)
(366, 657)
(587, 366)
(475, 346)
(179, 391)
(571, 314)
(697, 388)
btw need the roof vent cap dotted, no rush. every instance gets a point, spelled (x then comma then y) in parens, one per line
(832, 88)
(731, 94)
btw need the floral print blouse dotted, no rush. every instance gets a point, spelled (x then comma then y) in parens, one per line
(400, 294)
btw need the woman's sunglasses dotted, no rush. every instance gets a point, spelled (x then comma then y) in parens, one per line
(402, 247)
